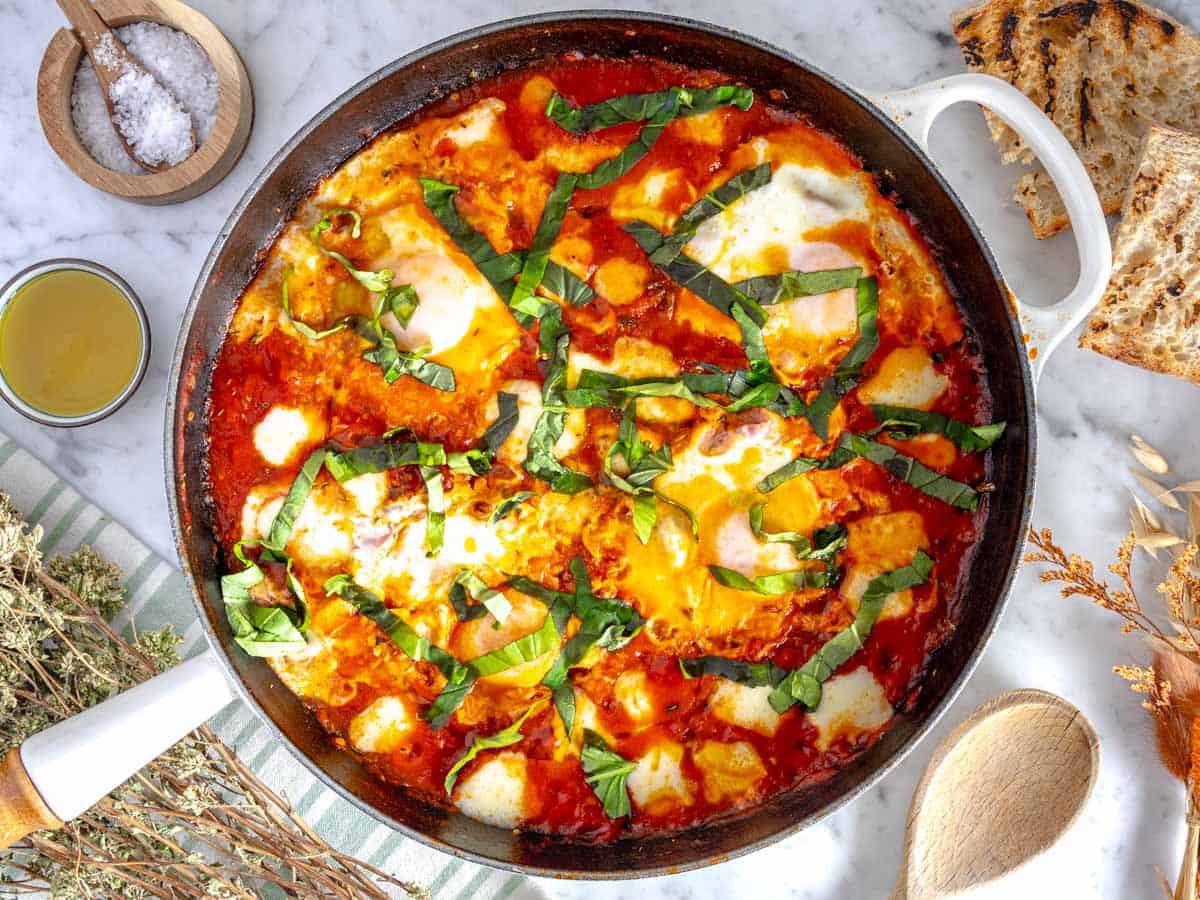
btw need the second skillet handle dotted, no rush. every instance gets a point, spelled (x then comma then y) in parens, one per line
(915, 110)
(62, 771)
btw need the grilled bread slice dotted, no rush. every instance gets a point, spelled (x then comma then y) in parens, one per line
(1150, 315)
(1103, 70)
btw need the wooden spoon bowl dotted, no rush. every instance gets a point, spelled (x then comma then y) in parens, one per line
(1001, 789)
(211, 162)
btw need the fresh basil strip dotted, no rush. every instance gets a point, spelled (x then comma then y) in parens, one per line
(803, 685)
(524, 298)
(823, 544)
(604, 389)
(487, 599)
(606, 772)
(401, 301)
(506, 738)
(912, 472)
(845, 376)
(307, 330)
(640, 107)
(498, 269)
(375, 282)
(508, 504)
(801, 464)
(688, 273)
(515, 653)
(904, 423)
(260, 630)
(451, 697)
(755, 347)
(435, 509)
(631, 154)
(396, 362)
(643, 466)
(606, 623)
(771, 289)
(506, 420)
(719, 199)
(540, 461)
(297, 495)
(417, 648)
(752, 674)
(381, 457)
(775, 584)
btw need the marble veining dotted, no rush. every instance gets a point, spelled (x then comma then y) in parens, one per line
(1087, 405)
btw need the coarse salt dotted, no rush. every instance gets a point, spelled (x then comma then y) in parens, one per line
(153, 122)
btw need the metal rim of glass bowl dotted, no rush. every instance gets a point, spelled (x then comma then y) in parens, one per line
(27, 275)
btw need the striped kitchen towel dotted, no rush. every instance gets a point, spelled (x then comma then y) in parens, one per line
(158, 596)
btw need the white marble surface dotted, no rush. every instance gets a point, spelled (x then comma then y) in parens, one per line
(1088, 405)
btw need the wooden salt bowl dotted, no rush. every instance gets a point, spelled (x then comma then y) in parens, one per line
(211, 162)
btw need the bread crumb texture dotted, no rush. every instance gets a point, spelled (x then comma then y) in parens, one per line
(1150, 315)
(1103, 70)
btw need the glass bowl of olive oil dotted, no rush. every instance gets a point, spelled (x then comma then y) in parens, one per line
(74, 342)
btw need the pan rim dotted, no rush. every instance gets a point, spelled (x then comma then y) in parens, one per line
(173, 440)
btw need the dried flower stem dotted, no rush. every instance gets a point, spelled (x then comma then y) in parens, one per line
(197, 822)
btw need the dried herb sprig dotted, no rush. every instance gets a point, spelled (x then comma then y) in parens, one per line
(196, 822)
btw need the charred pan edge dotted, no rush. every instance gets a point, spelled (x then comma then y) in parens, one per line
(534, 855)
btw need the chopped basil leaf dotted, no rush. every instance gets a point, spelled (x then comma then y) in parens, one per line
(395, 362)
(524, 649)
(606, 772)
(566, 285)
(748, 673)
(285, 519)
(307, 330)
(903, 423)
(612, 169)
(417, 648)
(912, 472)
(260, 630)
(381, 457)
(375, 282)
(540, 461)
(825, 542)
(756, 349)
(506, 738)
(524, 298)
(508, 504)
(604, 389)
(775, 584)
(845, 376)
(458, 685)
(641, 466)
(719, 199)
(803, 685)
(489, 600)
(506, 420)
(435, 509)
(401, 301)
(640, 107)
(686, 272)
(771, 289)
(801, 464)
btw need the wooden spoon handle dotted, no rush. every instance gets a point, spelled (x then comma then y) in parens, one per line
(22, 809)
(84, 19)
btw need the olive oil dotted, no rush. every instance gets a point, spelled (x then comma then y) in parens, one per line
(70, 342)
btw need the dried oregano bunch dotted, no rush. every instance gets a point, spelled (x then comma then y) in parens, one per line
(194, 823)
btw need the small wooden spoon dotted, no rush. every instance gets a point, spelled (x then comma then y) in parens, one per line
(111, 60)
(1002, 788)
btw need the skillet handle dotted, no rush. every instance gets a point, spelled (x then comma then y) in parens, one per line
(915, 110)
(59, 773)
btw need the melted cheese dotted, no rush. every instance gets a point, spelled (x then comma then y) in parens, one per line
(658, 784)
(495, 792)
(851, 705)
(905, 378)
(745, 706)
(632, 692)
(381, 727)
(653, 198)
(730, 771)
(878, 544)
(284, 431)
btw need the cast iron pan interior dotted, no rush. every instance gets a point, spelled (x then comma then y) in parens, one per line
(387, 98)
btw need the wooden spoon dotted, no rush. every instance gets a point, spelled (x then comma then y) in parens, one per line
(111, 60)
(1002, 788)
